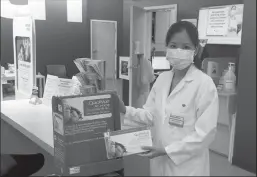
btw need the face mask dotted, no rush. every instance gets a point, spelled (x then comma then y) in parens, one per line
(179, 58)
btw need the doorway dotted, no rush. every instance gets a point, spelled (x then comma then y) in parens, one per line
(142, 31)
(104, 47)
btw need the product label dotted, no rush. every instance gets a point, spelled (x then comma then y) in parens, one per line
(74, 170)
(98, 107)
(229, 84)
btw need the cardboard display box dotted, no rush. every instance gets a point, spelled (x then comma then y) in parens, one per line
(79, 126)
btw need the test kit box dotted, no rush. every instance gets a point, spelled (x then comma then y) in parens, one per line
(127, 142)
(79, 126)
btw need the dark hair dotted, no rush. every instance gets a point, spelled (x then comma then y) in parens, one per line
(192, 32)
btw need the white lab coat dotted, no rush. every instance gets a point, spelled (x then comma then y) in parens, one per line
(195, 98)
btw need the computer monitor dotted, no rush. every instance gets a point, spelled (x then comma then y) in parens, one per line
(160, 64)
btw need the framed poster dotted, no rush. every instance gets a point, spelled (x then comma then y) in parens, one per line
(24, 56)
(221, 24)
(124, 68)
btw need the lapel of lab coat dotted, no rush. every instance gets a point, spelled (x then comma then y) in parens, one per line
(187, 79)
(190, 76)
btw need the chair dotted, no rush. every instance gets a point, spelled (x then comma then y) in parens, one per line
(21, 165)
(57, 70)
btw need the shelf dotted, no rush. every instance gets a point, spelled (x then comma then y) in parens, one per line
(222, 93)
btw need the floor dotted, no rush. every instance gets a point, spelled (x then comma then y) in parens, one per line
(219, 164)
(222, 140)
(221, 167)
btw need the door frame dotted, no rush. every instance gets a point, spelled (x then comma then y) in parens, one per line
(91, 40)
(148, 23)
(163, 7)
(147, 35)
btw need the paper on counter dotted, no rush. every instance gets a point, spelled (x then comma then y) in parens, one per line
(65, 87)
(51, 89)
(57, 87)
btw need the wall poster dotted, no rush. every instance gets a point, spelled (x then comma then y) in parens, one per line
(225, 21)
(124, 68)
(24, 55)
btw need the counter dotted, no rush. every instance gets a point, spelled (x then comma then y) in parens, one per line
(35, 123)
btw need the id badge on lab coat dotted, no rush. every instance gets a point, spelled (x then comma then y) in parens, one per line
(177, 121)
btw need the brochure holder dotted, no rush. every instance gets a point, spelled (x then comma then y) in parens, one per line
(79, 126)
(24, 45)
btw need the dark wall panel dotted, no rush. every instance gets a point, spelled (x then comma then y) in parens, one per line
(107, 10)
(60, 42)
(245, 136)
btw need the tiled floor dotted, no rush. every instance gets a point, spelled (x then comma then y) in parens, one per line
(221, 143)
(221, 167)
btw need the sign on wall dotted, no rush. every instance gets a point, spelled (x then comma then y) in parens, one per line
(218, 21)
(24, 55)
(37, 9)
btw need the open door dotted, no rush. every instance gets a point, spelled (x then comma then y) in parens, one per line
(137, 31)
(141, 31)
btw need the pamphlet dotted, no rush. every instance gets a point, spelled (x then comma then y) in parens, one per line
(57, 87)
(127, 142)
(92, 72)
(51, 89)
(65, 87)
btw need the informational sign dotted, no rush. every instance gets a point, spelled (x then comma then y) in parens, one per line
(213, 69)
(65, 87)
(38, 9)
(51, 89)
(57, 87)
(24, 55)
(74, 10)
(218, 21)
(221, 24)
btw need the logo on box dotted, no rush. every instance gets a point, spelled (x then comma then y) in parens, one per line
(74, 170)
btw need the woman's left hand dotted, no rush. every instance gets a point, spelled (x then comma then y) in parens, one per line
(153, 152)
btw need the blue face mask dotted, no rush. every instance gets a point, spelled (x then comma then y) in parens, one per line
(179, 58)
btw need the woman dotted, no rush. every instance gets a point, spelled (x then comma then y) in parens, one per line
(21, 54)
(182, 107)
(71, 114)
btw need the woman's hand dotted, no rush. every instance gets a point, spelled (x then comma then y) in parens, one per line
(153, 152)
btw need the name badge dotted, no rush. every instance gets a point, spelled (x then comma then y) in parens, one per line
(177, 121)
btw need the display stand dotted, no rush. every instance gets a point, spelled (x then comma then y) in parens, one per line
(24, 45)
